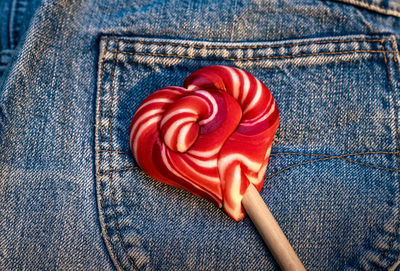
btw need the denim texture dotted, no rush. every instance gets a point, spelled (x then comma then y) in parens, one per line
(73, 198)
(14, 20)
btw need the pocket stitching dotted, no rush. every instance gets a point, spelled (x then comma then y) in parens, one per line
(383, 51)
(110, 174)
(110, 159)
(398, 68)
(101, 200)
(397, 225)
(228, 47)
(255, 58)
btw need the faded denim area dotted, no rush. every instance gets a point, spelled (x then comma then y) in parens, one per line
(73, 198)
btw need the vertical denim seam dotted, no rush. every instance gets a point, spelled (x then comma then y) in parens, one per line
(392, 41)
(392, 241)
(110, 157)
(394, 52)
(107, 235)
(18, 19)
(11, 24)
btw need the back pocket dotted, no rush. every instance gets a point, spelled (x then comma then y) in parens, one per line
(333, 178)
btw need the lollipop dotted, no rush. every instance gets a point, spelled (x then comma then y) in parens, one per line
(212, 137)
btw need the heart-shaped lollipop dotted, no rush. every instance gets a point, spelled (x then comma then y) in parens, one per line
(212, 137)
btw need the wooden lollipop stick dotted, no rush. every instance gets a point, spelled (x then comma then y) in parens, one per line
(270, 231)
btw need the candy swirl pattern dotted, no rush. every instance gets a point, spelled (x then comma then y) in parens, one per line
(211, 137)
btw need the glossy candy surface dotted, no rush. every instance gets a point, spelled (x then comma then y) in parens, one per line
(211, 137)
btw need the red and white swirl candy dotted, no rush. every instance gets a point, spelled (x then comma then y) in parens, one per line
(211, 137)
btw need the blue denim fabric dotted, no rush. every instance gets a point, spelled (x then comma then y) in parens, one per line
(73, 198)
(14, 20)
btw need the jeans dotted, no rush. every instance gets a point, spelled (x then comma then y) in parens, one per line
(72, 196)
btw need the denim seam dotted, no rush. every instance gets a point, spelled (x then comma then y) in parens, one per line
(115, 151)
(329, 157)
(242, 47)
(392, 41)
(11, 24)
(106, 235)
(7, 52)
(325, 157)
(373, 7)
(110, 161)
(15, 23)
(110, 173)
(392, 241)
(117, 170)
(254, 58)
(394, 51)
